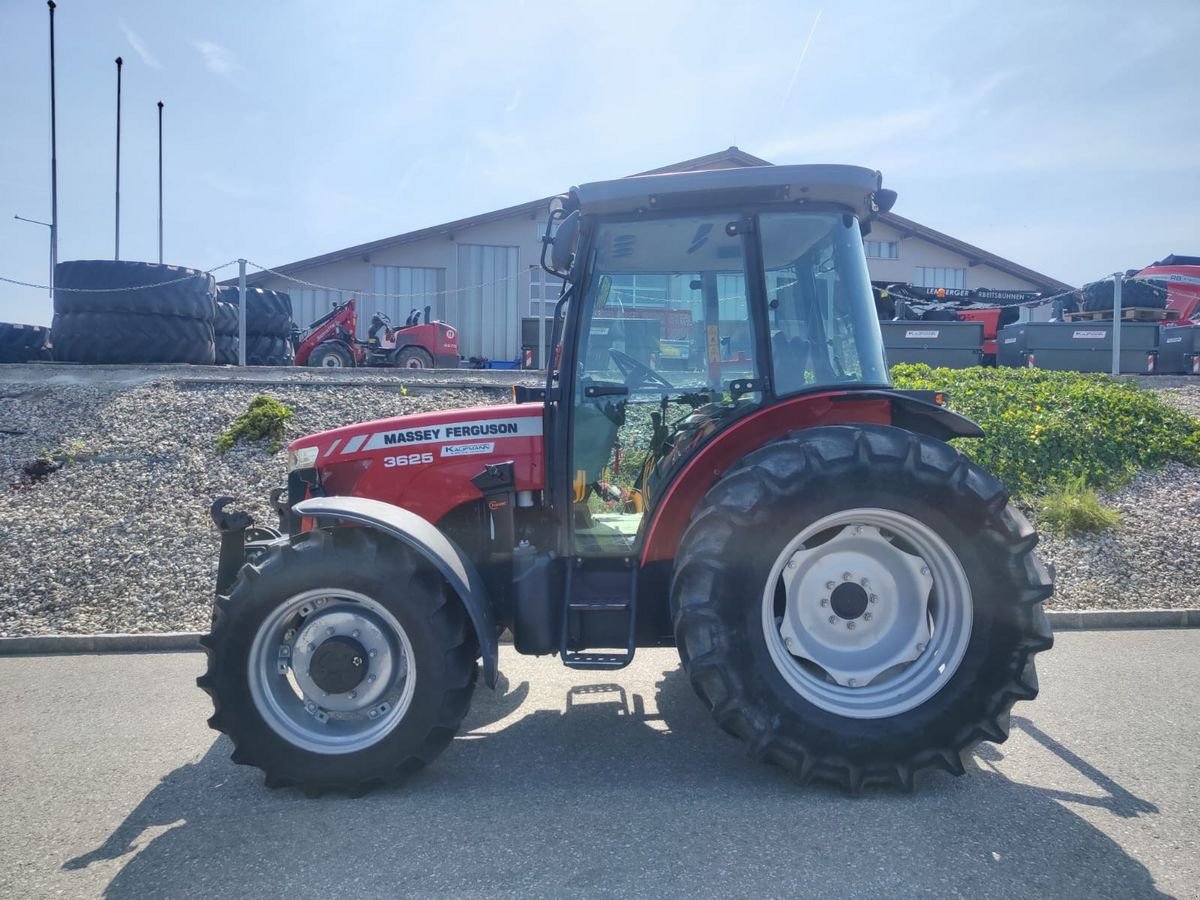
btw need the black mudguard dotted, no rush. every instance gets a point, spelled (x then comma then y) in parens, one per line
(424, 537)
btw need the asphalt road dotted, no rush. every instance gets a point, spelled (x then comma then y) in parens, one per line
(601, 785)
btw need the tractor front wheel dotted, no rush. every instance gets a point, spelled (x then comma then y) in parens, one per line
(859, 604)
(338, 663)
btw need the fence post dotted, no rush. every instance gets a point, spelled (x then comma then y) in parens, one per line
(1116, 341)
(242, 312)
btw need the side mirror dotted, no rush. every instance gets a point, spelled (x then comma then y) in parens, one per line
(561, 245)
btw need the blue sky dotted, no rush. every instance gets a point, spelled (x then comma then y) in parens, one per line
(1063, 136)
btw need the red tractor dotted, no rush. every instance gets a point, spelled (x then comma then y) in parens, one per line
(849, 594)
(331, 343)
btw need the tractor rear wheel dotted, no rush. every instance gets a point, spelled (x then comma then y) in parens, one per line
(413, 358)
(331, 355)
(338, 663)
(860, 603)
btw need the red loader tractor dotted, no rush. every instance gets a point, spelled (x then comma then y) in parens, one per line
(331, 343)
(849, 594)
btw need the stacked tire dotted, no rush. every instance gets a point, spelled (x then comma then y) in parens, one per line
(119, 311)
(225, 328)
(268, 326)
(24, 343)
(1098, 295)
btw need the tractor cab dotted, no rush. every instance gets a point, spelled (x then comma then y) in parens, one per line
(688, 311)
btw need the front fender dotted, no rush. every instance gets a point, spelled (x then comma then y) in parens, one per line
(424, 537)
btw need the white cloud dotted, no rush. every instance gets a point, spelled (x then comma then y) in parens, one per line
(139, 46)
(217, 59)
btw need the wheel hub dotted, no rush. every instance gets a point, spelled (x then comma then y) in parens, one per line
(848, 600)
(338, 665)
(323, 660)
(857, 605)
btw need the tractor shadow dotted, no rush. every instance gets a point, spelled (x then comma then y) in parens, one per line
(612, 795)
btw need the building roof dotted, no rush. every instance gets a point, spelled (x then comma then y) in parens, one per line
(732, 157)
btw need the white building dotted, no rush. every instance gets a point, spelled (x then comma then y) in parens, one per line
(483, 274)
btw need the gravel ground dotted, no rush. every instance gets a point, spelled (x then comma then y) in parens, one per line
(119, 539)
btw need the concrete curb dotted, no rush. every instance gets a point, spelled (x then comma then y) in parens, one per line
(1066, 620)
(1090, 619)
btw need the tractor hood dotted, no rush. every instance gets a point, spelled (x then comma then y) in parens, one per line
(425, 462)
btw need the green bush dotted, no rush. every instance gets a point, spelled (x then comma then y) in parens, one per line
(1073, 508)
(265, 418)
(1047, 427)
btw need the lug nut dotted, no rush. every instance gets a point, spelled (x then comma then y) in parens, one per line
(371, 679)
(354, 633)
(791, 563)
(372, 654)
(924, 570)
(330, 631)
(866, 617)
(353, 694)
(865, 583)
(789, 643)
(920, 648)
(824, 601)
(850, 626)
(858, 529)
(874, 598)
(832, 619)
(853, 682)
(830, 585)
(846, 576)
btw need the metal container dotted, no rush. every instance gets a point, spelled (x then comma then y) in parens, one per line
(1179, 350)
(1078, 346)
(950, 345)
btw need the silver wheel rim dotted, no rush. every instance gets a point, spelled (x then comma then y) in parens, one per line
(867, 613)
(290, 701)
(331, 361)
(413, 363)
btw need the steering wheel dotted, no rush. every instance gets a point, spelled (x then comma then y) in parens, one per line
(637, 373)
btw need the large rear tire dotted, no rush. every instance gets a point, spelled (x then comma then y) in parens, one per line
(413, 358)
(331, 355)
(859, 604)
(339, 663)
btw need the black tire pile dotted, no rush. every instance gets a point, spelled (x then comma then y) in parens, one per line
(225, 328)
(127, 320)
(24, 343)
(1141, 294)
(268, 327)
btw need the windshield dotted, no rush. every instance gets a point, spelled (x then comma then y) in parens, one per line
(824, 330)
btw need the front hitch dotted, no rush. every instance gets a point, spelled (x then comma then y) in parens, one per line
(232, 526)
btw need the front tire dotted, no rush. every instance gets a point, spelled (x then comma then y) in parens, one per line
(907, 663)
(339, 663)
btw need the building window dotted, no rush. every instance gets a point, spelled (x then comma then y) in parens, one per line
(940, 278)
(882, 249)
(544, 289)
(639, 290)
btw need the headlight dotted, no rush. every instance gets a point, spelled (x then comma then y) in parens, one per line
(304, 458)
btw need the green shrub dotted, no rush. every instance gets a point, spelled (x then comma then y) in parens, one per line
(1047, 427)
(265, 418)
(1073, 508)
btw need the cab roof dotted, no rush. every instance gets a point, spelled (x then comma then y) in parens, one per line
(852, 187)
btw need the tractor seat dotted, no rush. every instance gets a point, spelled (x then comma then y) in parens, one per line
(791, 359)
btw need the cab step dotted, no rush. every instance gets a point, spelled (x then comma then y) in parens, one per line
(601, 608)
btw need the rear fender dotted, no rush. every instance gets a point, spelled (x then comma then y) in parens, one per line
(914, 411)
(441, 553)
